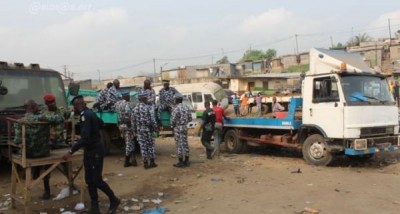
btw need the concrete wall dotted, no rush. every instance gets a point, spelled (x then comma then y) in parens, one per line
(289, 60)
(395, 52)
(304, 58)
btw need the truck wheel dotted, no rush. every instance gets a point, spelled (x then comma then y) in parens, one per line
(233, 144)
(105, 140)
(315, 151)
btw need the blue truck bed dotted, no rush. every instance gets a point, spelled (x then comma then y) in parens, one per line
(288, 123)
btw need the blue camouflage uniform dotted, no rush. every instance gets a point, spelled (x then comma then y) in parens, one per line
(124, 110)
(180, 117)
(108, 97)
(167, 100)
(144, 124)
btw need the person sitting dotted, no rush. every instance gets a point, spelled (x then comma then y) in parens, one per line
(167, 100)
(276, 107)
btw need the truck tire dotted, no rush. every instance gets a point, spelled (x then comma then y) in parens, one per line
(315, 151)
(232, 142)
(105, 140)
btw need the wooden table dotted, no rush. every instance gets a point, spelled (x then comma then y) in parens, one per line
(54, 161)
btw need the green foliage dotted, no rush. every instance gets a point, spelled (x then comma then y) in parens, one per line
(255, 55)
(298, 68)
(223, 60)
(356, 40)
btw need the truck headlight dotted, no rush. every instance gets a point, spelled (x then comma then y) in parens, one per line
(360, 144)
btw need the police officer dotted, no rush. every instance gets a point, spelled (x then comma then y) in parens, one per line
(167, 100)
(144, 125)
(93, 155)
(208, 124)
(124, 110)
(180, 117)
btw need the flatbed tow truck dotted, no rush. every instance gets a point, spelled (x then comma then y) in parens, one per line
(346, 108)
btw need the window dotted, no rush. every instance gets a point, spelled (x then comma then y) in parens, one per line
(208, 97)
(325, 90)
(197, 97)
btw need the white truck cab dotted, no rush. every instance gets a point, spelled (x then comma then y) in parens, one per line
(347, 104)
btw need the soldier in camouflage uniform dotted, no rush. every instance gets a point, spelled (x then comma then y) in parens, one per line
(144, 125)
(151, 101)
(110, 97)
(124, 110)
(167, 100)
(101, 99)
(37, 140)
(180, 117)
(55, 116)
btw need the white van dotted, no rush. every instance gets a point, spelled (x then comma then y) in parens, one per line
(198, 93)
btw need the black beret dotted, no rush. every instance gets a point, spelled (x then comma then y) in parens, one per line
(76, 97)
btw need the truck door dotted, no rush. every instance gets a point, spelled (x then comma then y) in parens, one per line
(325, 110)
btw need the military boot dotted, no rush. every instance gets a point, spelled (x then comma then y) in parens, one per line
(180, 164)
(134, 163)
(114, 203)
(127, 163)
(152, 163)
(146, 165)
(186, 162)
(208, 152)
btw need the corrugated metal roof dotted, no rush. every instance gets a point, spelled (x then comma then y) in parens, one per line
(275, 75)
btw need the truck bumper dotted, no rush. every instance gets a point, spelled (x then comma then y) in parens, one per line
(370, 150)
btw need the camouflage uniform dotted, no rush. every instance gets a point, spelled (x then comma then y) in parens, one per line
(151, 100)
(124, 111)
(37, 136)
(144, 125)
(56, 120)
(167, 100)
(108, 98)
(180, 117)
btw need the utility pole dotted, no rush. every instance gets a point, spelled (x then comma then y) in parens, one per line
(154, 66)
(65, 70)
(390, 33)
(331, 42)
(297, 44)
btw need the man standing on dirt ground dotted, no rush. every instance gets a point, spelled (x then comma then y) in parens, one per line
(124, 110)
(208, 123)
(180, 117)
(144, 125)
(93, 155)
(151, 100)
(259, 103)
(167, 100)
(219, 124)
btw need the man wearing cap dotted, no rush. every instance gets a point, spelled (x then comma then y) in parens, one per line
(93, 155)
(124, 110)
(167, 100)
(55, 116)
(111, 97)
(144, 124)
(180, 117)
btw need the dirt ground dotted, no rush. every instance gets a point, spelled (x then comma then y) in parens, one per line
(266, 180)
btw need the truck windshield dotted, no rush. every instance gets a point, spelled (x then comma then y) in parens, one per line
(30, 84)
(366, 90)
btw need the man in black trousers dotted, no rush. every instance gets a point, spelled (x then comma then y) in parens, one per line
(93, 156)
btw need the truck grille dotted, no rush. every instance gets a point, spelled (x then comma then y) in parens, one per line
(375, 131)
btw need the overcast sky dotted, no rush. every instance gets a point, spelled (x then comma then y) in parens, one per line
(121, 38)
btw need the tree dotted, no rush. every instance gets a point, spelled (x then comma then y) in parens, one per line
(254, 55)
(356, 40)
(223, 60)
